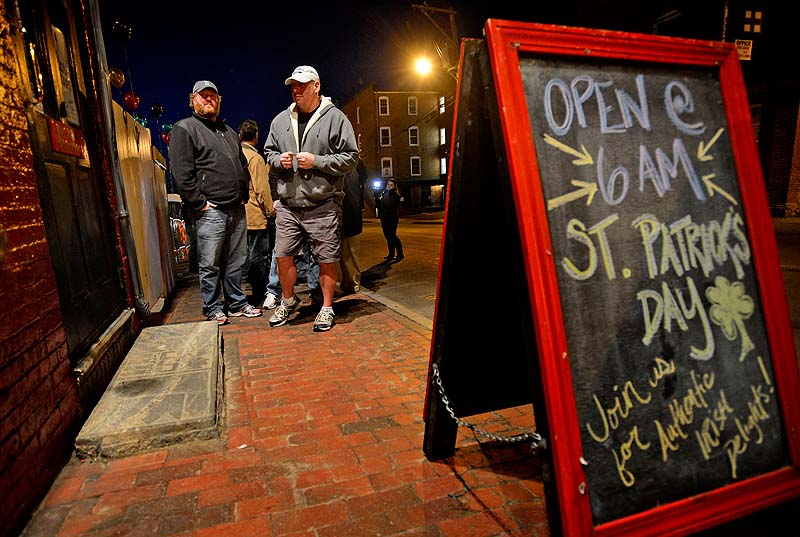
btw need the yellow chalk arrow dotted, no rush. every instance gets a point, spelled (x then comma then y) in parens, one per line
(583, 155)
(702, 149)
(711, 186)
(584, 189)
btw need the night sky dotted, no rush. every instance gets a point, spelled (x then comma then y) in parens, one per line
(249, 48)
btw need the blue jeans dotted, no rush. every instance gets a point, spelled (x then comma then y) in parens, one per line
(307, 268)
(221, 254)
(256, 267)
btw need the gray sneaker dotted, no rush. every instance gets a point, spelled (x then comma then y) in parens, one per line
(324, 321)
(246, 311)
(283, 312)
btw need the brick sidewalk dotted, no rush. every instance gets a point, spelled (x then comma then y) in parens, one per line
(322, 436)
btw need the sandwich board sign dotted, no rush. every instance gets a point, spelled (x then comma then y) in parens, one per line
(654, 335)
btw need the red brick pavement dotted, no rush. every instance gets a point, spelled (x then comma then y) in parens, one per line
(322, 436)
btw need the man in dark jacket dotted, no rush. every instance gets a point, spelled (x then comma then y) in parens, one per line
(352, 225)
(211, 175)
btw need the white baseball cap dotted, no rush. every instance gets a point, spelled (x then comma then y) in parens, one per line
(302, 74)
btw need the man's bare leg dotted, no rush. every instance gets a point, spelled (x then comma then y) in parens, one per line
(287, 274)
(328, 274)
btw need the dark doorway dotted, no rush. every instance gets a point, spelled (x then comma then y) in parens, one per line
(67, 141)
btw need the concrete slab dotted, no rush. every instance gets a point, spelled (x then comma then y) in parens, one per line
(168, 389)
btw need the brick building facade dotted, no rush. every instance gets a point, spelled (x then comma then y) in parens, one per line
(39, 404)
(71, 311)
(403, 135)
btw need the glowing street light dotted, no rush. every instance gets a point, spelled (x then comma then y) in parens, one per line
(423, 66)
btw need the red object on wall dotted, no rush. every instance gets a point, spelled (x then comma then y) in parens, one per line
(131, 100)
(66, 139)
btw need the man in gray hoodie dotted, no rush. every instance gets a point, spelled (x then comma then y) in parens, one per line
(311, 146)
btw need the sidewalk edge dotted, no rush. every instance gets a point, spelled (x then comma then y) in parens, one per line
(402, 310)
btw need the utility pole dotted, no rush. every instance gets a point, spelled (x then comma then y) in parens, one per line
(447, 53)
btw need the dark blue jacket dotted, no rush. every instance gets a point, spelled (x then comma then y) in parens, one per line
(353, 202)
(208, 164)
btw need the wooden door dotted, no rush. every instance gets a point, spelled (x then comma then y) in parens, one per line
(67, 142)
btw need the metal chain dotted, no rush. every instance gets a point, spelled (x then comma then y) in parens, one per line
(538, 441)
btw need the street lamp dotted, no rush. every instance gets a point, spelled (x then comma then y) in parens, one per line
(451, 42)
(423, 66)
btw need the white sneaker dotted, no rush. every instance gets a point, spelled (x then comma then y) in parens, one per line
(271, 302)
(324, 321)
(283, 311)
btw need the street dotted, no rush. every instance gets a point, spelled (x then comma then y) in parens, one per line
(411, 283)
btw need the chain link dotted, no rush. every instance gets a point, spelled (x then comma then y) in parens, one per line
(537, 440)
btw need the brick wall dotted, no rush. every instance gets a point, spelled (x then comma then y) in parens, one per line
(38, 398)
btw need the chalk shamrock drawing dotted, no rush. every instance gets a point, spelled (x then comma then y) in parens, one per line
(731, 306)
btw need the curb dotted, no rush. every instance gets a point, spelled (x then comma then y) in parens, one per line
(413, 316)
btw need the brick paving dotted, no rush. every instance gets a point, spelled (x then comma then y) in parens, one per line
(321, 436)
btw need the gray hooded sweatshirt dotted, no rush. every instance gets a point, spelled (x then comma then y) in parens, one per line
(329, 137)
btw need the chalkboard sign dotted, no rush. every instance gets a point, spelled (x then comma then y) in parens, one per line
(491, 368)
(664, 341)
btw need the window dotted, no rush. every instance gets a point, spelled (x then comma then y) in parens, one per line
(413, 136)
(358, 115)
(386, 167)
(752, 21)
(416, 166)
(54, 89)
(443, 165)
(442, 136)
(383, 106)
(35, 77)
(386, 136)
(412, 105)
(441, 104)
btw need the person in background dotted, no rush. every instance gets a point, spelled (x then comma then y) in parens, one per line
(212, 177)
(257, 209)
(352, 225)
(389, 212)
(307, 266)
(311, 146)
(307, 269)
(191, 233)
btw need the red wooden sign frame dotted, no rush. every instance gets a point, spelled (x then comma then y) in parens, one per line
(506, 40)
(66, 139)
